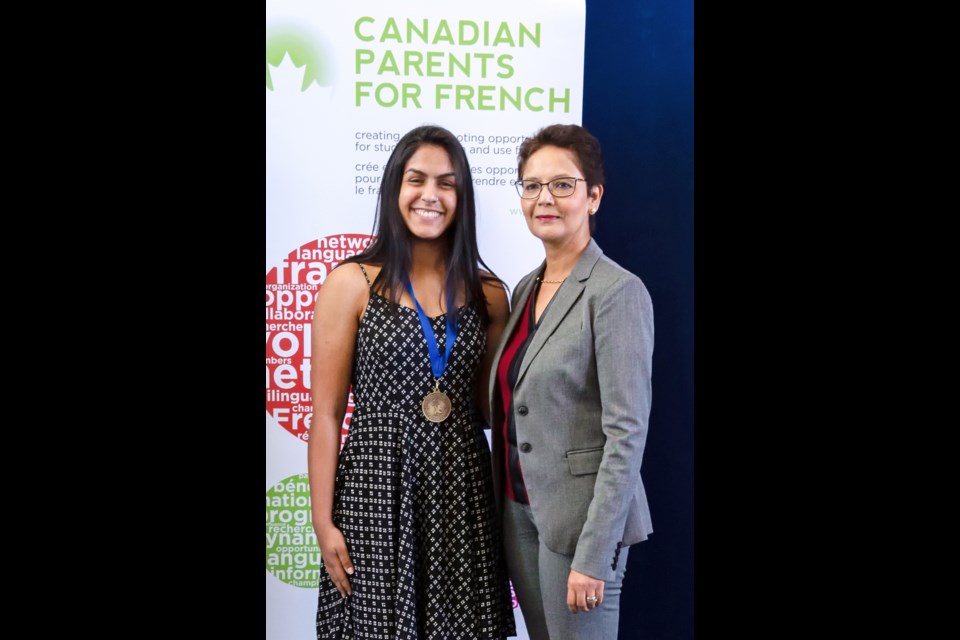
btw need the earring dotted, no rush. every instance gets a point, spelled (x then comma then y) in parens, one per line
(590, 212)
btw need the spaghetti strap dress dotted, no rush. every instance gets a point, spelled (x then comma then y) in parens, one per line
(414, 498)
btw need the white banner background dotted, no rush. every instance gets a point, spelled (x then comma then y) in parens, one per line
(325, 155)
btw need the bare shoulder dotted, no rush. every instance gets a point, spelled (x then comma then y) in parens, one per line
(496, 295)
(492, 286)
(345, 288)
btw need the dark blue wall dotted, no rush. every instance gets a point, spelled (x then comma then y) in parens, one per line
(638, 101)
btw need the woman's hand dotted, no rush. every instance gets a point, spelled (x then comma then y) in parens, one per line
(336, 559)
(580, 587)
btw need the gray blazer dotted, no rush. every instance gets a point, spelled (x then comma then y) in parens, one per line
(582, 402)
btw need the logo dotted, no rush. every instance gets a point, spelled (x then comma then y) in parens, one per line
(306, 50)
(293, 555)
(291, 294)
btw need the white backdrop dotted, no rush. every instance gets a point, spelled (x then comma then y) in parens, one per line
(344, 81)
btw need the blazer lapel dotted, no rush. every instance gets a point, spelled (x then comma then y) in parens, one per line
(569, 292)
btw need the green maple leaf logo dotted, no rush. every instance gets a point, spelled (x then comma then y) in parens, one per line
(304, 50)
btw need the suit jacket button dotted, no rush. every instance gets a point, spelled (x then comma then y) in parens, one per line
(525, 447)
(522, 410)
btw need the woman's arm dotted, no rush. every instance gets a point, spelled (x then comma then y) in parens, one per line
(623, 346)
(498, 311)
(336, 319)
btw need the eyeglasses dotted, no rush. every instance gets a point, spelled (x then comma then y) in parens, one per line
(558, 187)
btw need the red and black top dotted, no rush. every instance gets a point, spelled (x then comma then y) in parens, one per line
(507, 373)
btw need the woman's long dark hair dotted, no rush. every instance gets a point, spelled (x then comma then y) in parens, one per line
(391, 245)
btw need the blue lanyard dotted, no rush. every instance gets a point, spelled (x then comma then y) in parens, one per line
(438, 363)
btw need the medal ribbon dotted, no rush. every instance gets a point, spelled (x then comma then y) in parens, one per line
(438, 362)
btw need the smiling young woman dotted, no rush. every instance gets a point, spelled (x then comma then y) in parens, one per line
(405, 511)
(428, 193)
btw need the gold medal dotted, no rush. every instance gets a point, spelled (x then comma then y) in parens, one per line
(436, 405)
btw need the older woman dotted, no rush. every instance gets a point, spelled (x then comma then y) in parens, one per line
(570, 397)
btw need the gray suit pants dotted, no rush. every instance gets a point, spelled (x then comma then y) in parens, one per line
(539, 577)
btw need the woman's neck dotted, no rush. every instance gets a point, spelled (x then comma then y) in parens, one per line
(428, 276)
(427, 257)
(562, 258)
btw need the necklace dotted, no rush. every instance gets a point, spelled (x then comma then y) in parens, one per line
(540, 279)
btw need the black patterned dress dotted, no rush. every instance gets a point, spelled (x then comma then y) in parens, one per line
(413, 498)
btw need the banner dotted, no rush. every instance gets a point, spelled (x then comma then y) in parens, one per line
(344, 81)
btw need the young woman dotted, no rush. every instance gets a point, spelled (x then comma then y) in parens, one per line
(405, 515)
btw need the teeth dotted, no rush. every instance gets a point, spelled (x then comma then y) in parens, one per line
(425, 213)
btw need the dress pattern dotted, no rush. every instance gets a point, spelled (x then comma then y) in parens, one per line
(413, 498)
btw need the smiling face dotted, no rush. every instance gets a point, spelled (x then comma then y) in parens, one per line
(428, 193)
(559, 221)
